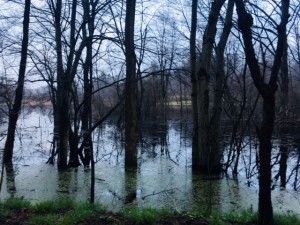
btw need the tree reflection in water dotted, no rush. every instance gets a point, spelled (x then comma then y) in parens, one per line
(163, 179)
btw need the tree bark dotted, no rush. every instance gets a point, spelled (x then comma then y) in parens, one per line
(130, 89)
(16, 108)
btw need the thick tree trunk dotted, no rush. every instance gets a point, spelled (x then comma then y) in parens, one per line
(206, 162)
(16, 108)
(130, 89)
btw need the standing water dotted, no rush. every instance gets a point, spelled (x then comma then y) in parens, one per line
(164, 178)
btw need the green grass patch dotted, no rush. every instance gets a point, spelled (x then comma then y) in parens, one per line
(89, 207)
(4, 212)
(63, 212)
(242, 217)
(69, 212)
(144, 215)
(12, 204)
(54, 206)
(75, 216)
(49, 219)
(286, 219)
(15, 203)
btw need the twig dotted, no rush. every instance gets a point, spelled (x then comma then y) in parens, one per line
(157, 193)
(2, 174)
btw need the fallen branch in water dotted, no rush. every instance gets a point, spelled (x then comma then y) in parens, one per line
(157, 193)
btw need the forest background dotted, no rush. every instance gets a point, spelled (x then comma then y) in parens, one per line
(222, 68)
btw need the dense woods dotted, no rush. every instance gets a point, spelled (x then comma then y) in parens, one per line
(230, 67)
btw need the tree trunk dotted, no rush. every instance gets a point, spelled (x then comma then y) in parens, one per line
(206, 162)
(16, 108)
(130, 89)
(87, 73)
(265, 149)
(65, 78)
(283, 114)
(193, 62)
(62, 95)
(215, 126)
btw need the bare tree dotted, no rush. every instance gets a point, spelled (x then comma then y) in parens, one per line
(207, 162)
(193, 68)
(130, 89)
(267, 91)
(63, 87)
(15, 110)
(216, 117)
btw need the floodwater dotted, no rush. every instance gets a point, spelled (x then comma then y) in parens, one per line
(164, 178)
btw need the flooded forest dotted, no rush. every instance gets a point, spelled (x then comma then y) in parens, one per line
(165, 104)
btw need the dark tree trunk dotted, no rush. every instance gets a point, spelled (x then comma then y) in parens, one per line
(55, 123)
(65, 79)
(62, 95)
(130, 89)
(206, 163)
(16, 108)
(215, 126)
(267, 91)
(282, 164)
(265, 150)
(71, 90)
(297, 170)
(130, 186)
(283, 116)
(73, 143)
(193, 61)
(87, 78)
(10, 179)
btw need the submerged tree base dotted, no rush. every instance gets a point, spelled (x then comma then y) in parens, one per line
(206, 170)
(66, 211)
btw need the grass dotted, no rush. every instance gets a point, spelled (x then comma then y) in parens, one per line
(54, 206)
(75, 216)
(68, 212)
(287, 219)
(145, 215)
(243, 217)
(44, 220)
(72, 212)
(15, 203)
(12, 204)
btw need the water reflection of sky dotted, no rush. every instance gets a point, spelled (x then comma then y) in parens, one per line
(164, 178)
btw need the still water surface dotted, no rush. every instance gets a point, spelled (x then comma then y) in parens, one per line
(164, 178)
